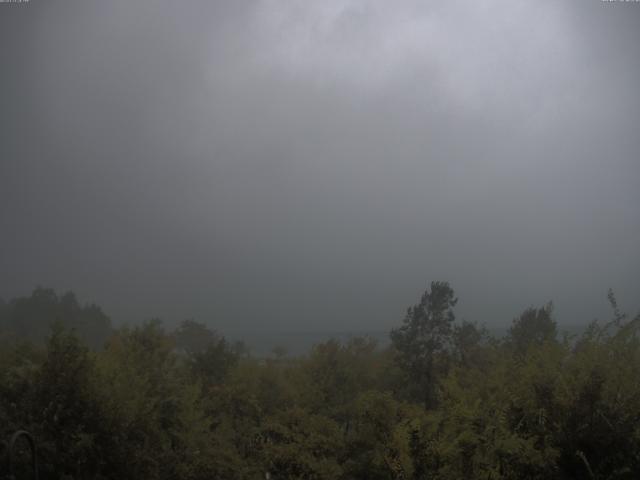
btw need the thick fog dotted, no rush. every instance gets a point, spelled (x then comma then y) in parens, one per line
(312, 166)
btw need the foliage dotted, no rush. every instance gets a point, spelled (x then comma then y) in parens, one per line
(31, 318)
(535, 326)
(188, 405)
(424, 340)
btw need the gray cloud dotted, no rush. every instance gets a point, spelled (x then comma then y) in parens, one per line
(313, 166)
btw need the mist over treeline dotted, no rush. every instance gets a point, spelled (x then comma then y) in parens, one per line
(30, 319)
(251, 192)
(320, 158)
(443, 399)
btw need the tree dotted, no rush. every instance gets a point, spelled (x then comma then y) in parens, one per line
(212, 364)
(64, 407)
(378, 438)
(335, 372)
(300, 445)
(153, 424)
(534, 326)
(424, 340)
(468, 340)
(208, 355)
(30, 318)
(193, 337)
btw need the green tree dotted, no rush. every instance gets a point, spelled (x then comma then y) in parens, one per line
(154, 424)
(424, 341)
(193, 337)
(378, 437)
(208, 355)
(298, 445)
(30, 318)
(534, 326)
(469, 341)
(65, 412)
(212, 364)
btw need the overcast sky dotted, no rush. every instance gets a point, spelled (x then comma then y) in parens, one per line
(303, 165)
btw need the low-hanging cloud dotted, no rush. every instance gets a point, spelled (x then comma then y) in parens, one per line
(296, 165)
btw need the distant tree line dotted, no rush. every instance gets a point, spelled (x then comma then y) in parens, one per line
(444, 400)
(30, 318)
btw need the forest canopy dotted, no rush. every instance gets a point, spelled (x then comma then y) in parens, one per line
(444, 399)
